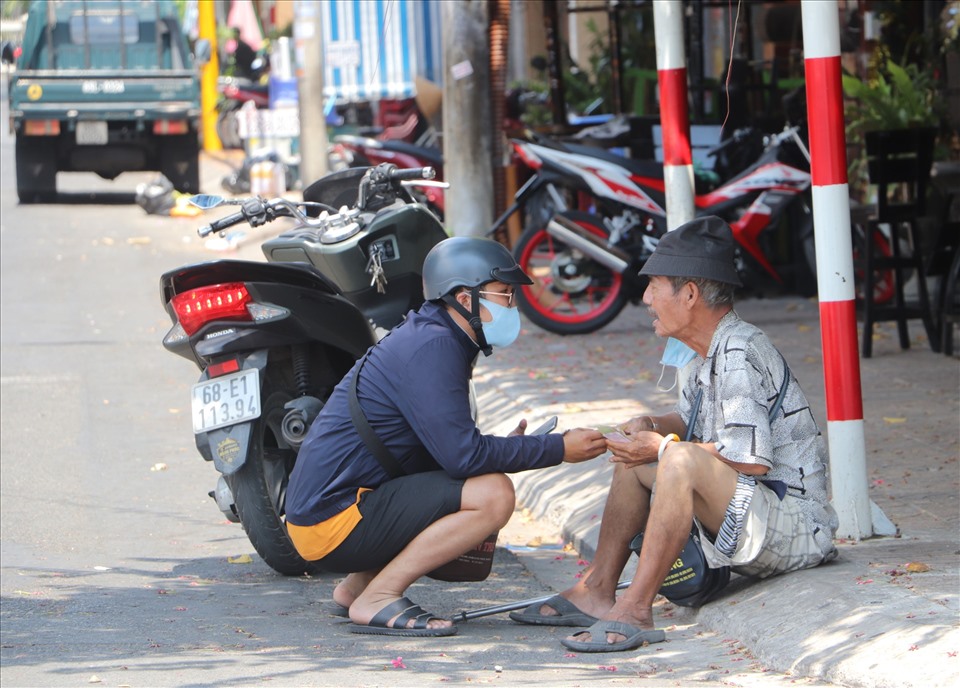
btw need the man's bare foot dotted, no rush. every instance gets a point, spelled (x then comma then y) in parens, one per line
(587, 603)
(366, 606)
(351, 587)
(624, 613)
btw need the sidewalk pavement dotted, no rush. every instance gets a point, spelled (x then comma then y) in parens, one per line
(885, 613)
(874, 618)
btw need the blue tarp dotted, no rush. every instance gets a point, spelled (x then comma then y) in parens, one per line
(375, 48)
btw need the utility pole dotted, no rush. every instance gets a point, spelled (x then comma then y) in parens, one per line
(467, 126)
(207, 28)
(308, 42)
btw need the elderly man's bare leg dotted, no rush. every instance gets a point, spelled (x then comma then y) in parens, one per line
(689, 481)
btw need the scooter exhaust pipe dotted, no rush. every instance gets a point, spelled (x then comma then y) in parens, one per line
(578, 238)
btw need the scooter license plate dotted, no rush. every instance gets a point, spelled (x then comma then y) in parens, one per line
(226, 400)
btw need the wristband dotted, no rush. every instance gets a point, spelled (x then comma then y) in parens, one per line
(653, 424)
(672, 437)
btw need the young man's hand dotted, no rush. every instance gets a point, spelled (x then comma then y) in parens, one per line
(582, 444)
(520, 429)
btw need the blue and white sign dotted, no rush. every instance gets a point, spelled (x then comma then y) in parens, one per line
(375, 48)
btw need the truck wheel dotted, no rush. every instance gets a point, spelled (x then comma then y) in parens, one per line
(180, 162)
(36, 169)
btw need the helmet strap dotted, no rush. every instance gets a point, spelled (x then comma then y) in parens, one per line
(472, 316)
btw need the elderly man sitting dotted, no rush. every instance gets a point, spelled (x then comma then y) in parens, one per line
(755, 485)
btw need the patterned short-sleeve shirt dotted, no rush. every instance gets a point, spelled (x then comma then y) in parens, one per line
(741, 379)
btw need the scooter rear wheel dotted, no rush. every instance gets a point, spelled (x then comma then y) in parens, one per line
(259, 489)
(570, 294)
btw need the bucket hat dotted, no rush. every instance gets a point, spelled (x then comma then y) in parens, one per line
(702, 248)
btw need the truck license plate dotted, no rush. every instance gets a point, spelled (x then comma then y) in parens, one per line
(226, 400)
(91, 133)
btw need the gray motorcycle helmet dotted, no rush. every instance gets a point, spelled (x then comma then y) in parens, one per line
(468, 262)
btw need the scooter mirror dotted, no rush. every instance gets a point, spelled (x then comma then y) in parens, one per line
(206, 201)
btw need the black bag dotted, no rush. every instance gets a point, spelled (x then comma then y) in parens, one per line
(691, 582)
(471, 566)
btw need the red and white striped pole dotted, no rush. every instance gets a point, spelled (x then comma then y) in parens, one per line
(674, 115)
(831, 219)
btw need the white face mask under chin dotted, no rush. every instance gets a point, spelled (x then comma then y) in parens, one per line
(676, 355)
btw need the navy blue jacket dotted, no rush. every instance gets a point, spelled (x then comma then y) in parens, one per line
(414, 390)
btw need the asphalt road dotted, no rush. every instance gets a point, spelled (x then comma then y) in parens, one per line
(118, 569)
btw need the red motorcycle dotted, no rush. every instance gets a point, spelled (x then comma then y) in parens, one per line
(593, 218)
(411, 142)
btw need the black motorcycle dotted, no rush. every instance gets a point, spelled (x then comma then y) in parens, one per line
(273, 338)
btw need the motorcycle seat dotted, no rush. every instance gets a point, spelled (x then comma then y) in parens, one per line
(642, 168)
(430, 156)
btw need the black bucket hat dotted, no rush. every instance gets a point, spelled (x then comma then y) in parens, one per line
(702, 248)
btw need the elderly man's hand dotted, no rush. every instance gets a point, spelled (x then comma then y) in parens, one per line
(641, 449)
(638, 424)
(582, 444)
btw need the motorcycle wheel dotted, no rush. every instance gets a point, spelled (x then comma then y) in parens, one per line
(884, 281)
(570, 294)
(259, 490)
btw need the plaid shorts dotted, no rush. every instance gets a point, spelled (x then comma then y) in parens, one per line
(775, 538)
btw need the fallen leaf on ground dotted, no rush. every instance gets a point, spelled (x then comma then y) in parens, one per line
(893, 421)
(917, 567)
(158, 467)
(242, 559)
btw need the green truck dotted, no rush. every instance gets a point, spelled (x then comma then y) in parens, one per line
(105, 86)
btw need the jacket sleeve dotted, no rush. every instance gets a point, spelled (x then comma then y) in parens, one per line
(434, 397)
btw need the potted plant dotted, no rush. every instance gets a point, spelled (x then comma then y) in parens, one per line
(896, 98)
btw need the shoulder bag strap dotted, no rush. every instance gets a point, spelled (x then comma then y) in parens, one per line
(771, 415)
(783, 389)
(374, 443)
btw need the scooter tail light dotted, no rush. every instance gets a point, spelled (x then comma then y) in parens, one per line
(197, 307)
(231, 365)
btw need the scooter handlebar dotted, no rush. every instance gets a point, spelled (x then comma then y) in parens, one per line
(405, 174)
(221, 224)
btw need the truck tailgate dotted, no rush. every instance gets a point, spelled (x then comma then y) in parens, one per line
(105, 95)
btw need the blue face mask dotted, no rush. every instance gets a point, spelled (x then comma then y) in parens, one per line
(504, 329)
(676, 355)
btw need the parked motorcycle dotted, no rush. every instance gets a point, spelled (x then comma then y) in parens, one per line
(585, 264)
(273, 339)
(411, 142)
(234, 93)
(349, 150)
